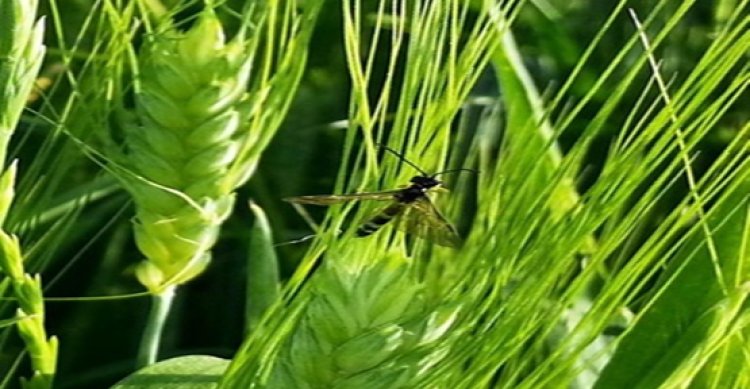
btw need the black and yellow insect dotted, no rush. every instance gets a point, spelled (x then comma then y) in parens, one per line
(410, 207)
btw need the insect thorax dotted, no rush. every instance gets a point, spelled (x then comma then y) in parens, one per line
(419, 185)
(426, 182)
(410, 194)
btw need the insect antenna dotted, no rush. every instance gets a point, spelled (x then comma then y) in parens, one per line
(424, 173)
(401, 157)
(455, 170)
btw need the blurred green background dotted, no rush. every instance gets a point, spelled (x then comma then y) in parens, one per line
(99, 338)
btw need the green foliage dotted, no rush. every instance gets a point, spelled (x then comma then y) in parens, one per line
(363, 323)
(21, 55)
(190, 106)
(190, 372)
(538, 253)
(605, 233)
(262, 269)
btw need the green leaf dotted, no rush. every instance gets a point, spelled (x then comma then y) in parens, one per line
(193, 372)
(729, 367)
(692, 311)
(262, 269)
(527, 126)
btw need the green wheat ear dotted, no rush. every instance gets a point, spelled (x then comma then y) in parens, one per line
(21, 56)
(191, 105)
(368, 327)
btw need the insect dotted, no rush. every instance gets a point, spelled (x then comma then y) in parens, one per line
(410, 207)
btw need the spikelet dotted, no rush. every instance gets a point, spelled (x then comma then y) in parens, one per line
(27, 290)
(21, 55)
(191, 105)
(371, 328)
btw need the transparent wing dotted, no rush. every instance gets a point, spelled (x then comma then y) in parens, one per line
(423, 219)
(342, 198)
(380, 218)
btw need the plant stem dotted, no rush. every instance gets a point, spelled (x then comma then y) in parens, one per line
(161, 303)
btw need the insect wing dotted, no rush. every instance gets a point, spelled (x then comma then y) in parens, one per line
(423, 219)
(337, 199)
(383, 216)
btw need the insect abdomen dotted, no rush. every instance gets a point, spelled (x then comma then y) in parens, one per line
(380, 219)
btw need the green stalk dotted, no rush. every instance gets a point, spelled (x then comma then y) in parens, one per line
(161, 304)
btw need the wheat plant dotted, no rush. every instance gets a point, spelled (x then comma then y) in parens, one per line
(603, 216)
(197, 131)
(545, 271)
(21, 55)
